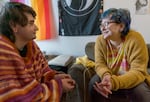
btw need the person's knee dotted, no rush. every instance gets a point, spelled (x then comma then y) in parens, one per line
(142, 92)
(141, 88)
(94, 79)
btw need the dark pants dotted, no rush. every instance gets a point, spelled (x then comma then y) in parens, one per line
(140, 93)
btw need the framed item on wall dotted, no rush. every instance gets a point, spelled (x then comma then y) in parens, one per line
(79, 17)
(142, 7)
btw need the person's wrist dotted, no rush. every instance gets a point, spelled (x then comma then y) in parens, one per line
(107, 74)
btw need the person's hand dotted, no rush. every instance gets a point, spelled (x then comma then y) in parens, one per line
(68, 84)
(104, 87)
(107, 79)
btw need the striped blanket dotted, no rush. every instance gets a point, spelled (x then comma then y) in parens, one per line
(26, 79)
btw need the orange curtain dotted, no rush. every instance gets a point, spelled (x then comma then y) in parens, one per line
(44, 18)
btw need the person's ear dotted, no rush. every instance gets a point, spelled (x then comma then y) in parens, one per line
(13, 26)
(122, 26)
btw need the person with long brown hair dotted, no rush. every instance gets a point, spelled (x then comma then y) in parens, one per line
(24, 72)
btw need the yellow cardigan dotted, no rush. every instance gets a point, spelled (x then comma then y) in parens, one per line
(137, 57)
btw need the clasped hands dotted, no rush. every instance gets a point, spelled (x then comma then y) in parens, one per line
(68, 83)
(105, 86)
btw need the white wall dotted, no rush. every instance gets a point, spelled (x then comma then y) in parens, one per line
(75, 45)
(2, 2)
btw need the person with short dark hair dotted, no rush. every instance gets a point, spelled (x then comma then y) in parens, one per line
(121, 59)
(24, 72)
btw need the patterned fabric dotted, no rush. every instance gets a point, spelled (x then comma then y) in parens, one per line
(116, 59)
(79, 17)
(27, 79)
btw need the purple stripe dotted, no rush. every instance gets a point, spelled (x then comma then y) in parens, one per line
(22, 82)
(28, 97)
(6, 47)
(11, 63)
(7, 55)
(60, 86)
(59, 82)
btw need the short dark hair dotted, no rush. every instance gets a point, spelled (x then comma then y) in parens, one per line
(14, 12)
(119, 16)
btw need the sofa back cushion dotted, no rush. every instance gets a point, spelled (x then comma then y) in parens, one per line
(89, 50)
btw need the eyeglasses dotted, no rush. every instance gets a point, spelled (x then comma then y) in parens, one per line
(105, 24)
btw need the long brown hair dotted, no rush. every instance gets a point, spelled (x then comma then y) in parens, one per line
(13, 13)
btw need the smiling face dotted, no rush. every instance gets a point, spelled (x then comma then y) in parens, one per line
(27, 32)
(110, 29)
